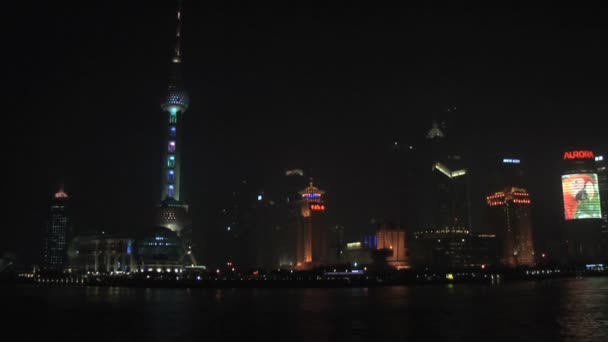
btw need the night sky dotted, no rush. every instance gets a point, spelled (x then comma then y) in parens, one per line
(325, 89)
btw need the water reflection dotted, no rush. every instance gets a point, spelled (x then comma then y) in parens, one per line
(550, 310)
(584, 310)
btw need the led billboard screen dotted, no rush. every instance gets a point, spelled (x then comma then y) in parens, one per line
(581, 196)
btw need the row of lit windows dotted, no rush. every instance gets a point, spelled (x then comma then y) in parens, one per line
(518, 201)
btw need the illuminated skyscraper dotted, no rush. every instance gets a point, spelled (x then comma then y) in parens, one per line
(582, 206)
(312, 245)
(57, 234)
(510, 219)
(173, 211)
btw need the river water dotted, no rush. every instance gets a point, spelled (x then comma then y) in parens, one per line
(547, 310)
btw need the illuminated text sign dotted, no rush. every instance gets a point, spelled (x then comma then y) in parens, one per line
(511, 161)
(318, 207)
(582, 154)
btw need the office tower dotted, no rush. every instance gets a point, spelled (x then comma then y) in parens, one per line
(511, 222)
(581, 199)
(57, 233)
(602, 177)
(442, 187)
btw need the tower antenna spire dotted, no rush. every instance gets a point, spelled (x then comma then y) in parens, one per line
(177, 53)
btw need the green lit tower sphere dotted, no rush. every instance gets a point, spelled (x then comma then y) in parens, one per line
(177, 99)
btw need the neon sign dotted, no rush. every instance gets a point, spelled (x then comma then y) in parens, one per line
(317, 207)
(582, 154)
(511, 161)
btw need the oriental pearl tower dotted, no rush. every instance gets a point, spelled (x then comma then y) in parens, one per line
(172, 210)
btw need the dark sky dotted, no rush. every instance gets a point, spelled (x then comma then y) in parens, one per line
(326, 89)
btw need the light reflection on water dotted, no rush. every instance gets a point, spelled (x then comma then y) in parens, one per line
(551, 310)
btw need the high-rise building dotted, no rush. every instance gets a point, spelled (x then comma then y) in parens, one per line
(443, 184)
(510, 219)
(172, 210)
(57, 233)
(510, 212)
(312, 247)
(582, 206)
(602, 176)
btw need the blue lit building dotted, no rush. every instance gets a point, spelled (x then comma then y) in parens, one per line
(57, 234)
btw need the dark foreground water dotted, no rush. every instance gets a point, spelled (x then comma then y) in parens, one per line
(549, 310)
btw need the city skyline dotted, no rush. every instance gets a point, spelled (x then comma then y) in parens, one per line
(244, 123)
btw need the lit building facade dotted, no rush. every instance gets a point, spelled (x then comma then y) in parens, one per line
(393, 239)
(172, 210)
(100, 253)
(57, 234)
(312, 246)
(582, 206)
(510, 220)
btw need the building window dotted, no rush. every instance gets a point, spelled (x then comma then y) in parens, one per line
(172, 131)
(171, 176)
(173, 117)
(171, 146)
(171, 161)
